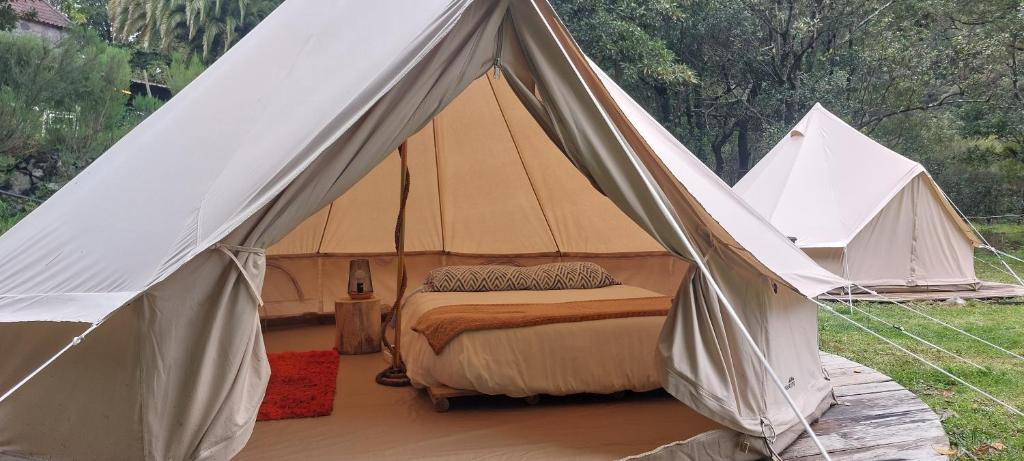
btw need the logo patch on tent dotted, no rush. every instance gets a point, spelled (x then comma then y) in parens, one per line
(791, 384)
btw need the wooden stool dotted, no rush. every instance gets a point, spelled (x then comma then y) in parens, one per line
(357, 323)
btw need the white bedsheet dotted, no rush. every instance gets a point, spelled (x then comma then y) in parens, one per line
(599, 356)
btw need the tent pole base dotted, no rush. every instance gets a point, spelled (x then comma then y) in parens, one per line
(393, 376)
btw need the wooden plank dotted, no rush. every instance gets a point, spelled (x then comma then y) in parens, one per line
(851, 379)
(850, 366)
(866, 388)
(876, 419)
(449, 392)
(854, 370)
(859, 433)
(988, 290)
(916, 450)
(835, 361)
(440, 395)
(861, 406)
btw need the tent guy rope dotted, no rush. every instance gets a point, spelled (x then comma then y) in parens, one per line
(903, 330)
(74, 342)
(226, 249)
(1003, 253)
(1000, 269)
(947, 325)
(986, 245)
(956, 378)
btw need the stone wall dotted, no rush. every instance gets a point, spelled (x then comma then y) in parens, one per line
(51, 33)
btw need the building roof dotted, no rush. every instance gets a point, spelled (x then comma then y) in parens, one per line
(40, 11)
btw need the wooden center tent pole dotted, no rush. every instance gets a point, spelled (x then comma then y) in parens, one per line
(395, 375)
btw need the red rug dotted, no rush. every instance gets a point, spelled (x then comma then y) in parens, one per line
(301, 385)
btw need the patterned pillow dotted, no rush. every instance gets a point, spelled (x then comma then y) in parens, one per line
(554, 276)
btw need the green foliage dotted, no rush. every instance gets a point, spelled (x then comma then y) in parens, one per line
(183, 70)
(937, 80)
(140, 108)
(89, 13)
(208, 27)
(60, 107)
(11, 211)
(627, 35)
(144, 106)
(8, 18)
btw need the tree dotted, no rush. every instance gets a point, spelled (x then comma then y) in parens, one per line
(60, 107)
(209, 27)
(89, 13)
(8, 18)
(183, 69)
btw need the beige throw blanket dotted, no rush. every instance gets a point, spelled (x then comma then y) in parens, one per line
(441, 325)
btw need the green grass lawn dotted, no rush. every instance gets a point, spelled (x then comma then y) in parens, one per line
(10, 214)
(977, 427)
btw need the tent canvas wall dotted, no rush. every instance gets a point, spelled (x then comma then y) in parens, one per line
(154, 256)
(861, 210)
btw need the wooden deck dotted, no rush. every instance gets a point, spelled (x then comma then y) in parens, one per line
(876, 419)
(987, 290)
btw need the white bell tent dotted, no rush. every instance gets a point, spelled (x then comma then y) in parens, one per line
(861, 210)
(135, 290)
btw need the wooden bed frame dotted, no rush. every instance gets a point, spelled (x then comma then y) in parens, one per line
(440, 395)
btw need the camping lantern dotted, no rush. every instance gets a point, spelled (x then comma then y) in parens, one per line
(360, 284)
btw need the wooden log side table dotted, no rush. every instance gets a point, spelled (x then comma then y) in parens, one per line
(357, 326)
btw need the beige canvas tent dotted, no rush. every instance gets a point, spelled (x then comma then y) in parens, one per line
(861, 210)
(130, 301)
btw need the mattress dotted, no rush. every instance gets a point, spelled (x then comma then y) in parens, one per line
(597, 356)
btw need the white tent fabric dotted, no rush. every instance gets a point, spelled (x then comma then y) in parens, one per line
(160, 243)
(860, 209)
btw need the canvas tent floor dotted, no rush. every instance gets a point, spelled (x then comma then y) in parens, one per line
(375, 422)
(876, 418)
(988, 290)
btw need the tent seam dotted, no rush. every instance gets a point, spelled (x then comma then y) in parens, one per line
(526, 171)
(437, 168)
(140, 324)
(323, 232)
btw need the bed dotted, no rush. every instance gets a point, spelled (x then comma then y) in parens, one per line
(602, 356)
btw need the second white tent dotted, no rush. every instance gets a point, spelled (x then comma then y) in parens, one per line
(861, 210)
